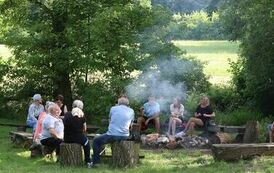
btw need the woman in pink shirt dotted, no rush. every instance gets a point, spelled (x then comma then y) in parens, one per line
(38, 130)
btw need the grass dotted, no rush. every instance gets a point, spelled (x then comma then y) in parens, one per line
(17, 160)
(215, 54)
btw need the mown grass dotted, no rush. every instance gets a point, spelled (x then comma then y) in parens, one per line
(16, 160)
(215, 54)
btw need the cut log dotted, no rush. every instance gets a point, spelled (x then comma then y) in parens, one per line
(221, 138)
(70, 154)
(231, 152)
(125, 154)
(22, 139)
(251, 134)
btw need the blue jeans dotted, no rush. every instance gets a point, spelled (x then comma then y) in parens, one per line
(32, 123)
(101, 140)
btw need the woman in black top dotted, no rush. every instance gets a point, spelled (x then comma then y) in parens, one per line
(59, 100)
(75, 128)
(203, 114)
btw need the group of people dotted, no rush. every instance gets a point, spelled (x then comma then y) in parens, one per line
(53, 124)
(150, 112)
(50, 129)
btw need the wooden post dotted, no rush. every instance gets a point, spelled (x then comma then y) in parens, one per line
(71, 154)
(251, 134)
(125, 154)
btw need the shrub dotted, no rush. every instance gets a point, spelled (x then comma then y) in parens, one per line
(238, 117)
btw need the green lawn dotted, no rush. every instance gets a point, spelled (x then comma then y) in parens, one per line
(215, 54)
(17, 160)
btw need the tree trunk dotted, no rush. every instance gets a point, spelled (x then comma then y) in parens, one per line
(251, 134)
(71, 154)
(230, 152)
(125, 154)
(221, 138)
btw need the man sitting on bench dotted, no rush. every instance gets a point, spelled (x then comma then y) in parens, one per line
(121, 117)
(150, 112)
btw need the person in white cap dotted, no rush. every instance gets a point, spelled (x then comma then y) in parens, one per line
(35, 109)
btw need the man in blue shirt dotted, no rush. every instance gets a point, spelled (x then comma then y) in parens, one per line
(151, 112)
(121, 117)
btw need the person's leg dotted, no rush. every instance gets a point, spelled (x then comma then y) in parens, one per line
(169, 126)
(97, 145)
(52, 142)
(174, 122)
(157, 124)
(86, 146)
(32, 124)
(269, 129)
(192, 122)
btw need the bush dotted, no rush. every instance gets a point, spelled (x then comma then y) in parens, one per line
(238, 117)
(224, 98)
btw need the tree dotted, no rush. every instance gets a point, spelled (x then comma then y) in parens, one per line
(251, 22)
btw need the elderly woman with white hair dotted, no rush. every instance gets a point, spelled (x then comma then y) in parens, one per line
(75, 128)
(35, 109)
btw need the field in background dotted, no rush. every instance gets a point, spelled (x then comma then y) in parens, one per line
(216, 54)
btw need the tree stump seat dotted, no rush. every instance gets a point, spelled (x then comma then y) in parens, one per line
(71, 154)
(125, 154)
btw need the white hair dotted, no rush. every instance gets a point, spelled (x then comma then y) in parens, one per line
(36, 97)
(77, 112)
(48, 103)
(123, 101)
(78, 104)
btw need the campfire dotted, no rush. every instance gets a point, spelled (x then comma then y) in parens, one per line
(179, 141)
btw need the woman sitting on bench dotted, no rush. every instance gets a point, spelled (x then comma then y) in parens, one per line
(75, 128)
(203, 114)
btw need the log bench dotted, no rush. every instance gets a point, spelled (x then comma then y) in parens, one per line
(232, 152)
(23, 139)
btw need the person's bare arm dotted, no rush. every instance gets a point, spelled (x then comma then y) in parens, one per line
(210, 115)
(53, 133)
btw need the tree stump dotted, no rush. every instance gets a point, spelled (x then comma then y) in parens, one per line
(125, 154)
(70, 154)
(251, 134)
(221, 138)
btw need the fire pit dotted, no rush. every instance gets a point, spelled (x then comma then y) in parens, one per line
(182, 141)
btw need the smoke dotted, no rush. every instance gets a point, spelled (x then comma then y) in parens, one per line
(161, 80)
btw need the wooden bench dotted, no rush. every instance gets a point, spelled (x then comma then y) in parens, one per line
(23, 139)
(231, 152)
(92, 128)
